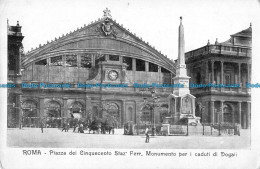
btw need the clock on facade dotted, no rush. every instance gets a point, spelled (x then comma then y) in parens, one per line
(112, 75)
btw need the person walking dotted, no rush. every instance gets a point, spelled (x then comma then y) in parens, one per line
(42, 126)
(147, 135)
(64, 127)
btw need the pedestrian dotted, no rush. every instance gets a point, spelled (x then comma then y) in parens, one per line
(74, 127)
(64, 127)
(42, 126)
(67, 127)
(147, 135)
(81, 128)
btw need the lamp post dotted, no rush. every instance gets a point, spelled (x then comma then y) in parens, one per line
(155, 101)
(202, 120)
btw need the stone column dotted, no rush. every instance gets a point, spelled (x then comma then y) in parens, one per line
(88, 107)
(212, 112)
(212, 71)
(19, 110)
(222, 74)
(134, 64)
(146, 66)
(121, 59)
(106, 57)
(48, 68)
(93, 61)
(248, 115)
(19, 58)
(239, 113)
(65, 110)
(207, 72)
(41, 107)
(221, 115)
(78, 61)
(248, 76)
(123, 113)
(78, 65)
(159, 74)
(239, 77)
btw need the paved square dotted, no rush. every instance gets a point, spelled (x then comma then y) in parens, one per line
(55, 138)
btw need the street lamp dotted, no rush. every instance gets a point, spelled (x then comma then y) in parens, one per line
(155, 101)
(202, 120)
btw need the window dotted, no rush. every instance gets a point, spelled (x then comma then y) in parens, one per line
(100, 59)
(85, 61)
(71, 60)
(140, 65)
(243, 50)
(114, 57)
(163, 70)
(128, 61)
(56, 61)
(153, 67)
(41, 62)
(227, 48)
(234, 49)
(227, 79)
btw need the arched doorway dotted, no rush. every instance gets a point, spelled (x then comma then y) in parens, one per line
(113, 114)
(53, 115)
(76, 110)
(227, 113)
(76, 113)
(30, 117)
(146, 115)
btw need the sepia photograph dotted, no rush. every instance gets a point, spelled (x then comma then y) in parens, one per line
(129, 78)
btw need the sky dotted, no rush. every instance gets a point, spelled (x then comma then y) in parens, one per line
(154, 21)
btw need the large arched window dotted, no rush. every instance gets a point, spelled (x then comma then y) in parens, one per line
(113, 110)
(29, 109)
(76, 110)
(30, 118)
(53, 109)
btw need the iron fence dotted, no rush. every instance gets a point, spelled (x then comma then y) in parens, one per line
(207, 129)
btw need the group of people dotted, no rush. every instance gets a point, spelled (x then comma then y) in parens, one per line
(98, 128)
(77, 127)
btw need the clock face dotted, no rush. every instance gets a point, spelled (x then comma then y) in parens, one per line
(113, 75)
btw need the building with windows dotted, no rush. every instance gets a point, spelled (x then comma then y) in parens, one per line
(69, 77)
(101, 70)
(227, 63)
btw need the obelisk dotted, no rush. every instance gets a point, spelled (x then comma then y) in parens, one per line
(181, 102)
(181, 72)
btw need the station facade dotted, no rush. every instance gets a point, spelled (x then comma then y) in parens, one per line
(66, 71)
(102, 53)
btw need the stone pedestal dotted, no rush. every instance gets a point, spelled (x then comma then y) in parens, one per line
(166, 129)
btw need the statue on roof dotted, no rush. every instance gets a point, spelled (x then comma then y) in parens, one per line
(107, 13)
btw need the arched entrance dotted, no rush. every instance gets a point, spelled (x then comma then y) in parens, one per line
(113, 114)
(76, 113)
(30, 117)
(146, 115)
(53, 114)
(76, 110)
